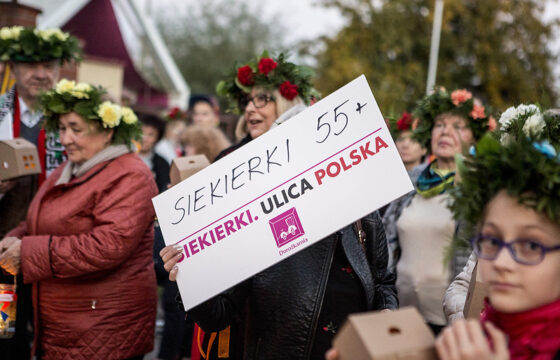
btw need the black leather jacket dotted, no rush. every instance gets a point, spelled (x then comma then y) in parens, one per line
(284, 301)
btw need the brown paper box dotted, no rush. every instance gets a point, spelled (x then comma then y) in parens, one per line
(183, 167)
(18, 157)
(475, 297)
(395, 335)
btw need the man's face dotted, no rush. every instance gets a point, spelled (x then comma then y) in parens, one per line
(35, 77)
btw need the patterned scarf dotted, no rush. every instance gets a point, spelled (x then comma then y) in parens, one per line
(433, 181)
(533, 334)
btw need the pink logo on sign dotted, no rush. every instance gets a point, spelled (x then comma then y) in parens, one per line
(286, 227)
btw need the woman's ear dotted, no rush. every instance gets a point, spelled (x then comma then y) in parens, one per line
(109, 136)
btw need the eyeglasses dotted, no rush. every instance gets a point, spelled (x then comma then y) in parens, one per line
(523, 251)
(259, 100)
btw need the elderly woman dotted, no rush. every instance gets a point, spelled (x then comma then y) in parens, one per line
(296, 306)
(510, 193)
(86, 245)
(421, 225)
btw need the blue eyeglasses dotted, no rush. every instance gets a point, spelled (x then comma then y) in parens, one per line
(523, 251)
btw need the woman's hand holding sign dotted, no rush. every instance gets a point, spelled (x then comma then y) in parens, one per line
(171, 255)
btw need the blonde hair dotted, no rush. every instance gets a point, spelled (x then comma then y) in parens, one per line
(206, 140)
(282, 105)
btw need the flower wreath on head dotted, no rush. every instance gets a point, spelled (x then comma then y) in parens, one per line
(405, 123)
(87, 101)
(529, 121)
(22, 44)
(290, 79)
(459, 102)
(525, 163)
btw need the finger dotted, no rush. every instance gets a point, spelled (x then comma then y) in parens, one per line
(499, 340)
(441, 348)
(171, 253)
(332, 354)
(170, 263)
(173, 273)
(450, 342)
(477, 336)
(461, 334)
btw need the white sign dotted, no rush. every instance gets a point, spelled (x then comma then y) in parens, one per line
(325, 168)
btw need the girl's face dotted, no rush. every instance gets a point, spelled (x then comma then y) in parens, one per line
(515, 287)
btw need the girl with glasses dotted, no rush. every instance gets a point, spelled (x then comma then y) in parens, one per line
(510, 192)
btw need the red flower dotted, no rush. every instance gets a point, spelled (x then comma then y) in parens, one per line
(460, 96)
(288, 90)
(492, 125)
(173, 112)
(477, 112)
(405, 122)
(266, 65)
(245, 75)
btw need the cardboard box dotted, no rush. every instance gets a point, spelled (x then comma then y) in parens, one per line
(186, 166)
(474, 304)
(18, 157)
(400, 334)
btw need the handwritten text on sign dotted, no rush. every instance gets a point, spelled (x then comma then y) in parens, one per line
(328, 166)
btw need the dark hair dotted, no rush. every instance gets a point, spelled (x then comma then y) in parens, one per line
(153, 121)
(198, 98)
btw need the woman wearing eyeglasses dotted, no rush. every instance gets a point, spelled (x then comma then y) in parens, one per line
(511, 191)
(293, 309)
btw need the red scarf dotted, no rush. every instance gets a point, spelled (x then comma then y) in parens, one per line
(41, 150)
(533, 334)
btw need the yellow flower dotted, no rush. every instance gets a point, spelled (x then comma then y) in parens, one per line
(110, 114)
(81, 90)
(129, 116)
(16, 30)
(65, 86)
(62, 36)
(6, 33)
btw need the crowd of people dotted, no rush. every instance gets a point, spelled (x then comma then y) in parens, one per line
(80, 243)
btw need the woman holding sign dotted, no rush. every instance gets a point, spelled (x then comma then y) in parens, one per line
(422, 224)
(510, 193)
(295, 307)
(86, 245)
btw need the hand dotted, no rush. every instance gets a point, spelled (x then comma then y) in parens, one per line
(465, 339)
(332, 354)
(171, 255)
(10, 258)
(6, 243)
(7, 185)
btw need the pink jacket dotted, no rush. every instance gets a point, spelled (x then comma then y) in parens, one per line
(87, 248)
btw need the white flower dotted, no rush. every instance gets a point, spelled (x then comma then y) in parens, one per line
(527, 109)
(506, 139)
(534, 125)
(507, 117)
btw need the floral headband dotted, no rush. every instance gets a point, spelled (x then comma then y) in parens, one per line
(405, 123)
(290, 79)
(530, 122)
(525, 169)
(33, 45)
(86, 100)
(459, 102)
